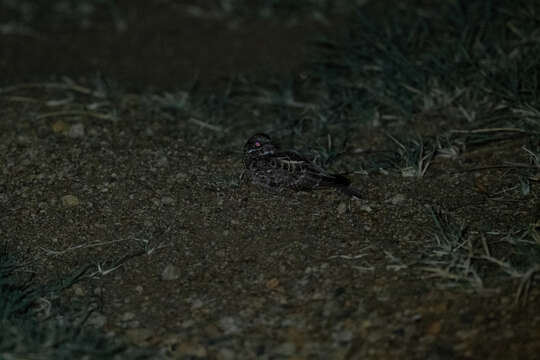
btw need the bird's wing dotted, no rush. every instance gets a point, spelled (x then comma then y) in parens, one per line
(309, 173)
(292, 161)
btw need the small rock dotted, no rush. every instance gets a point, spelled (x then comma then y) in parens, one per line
(78, 290)
(59, 126)
(225, 354)
(127, 316)
(167, 200)
(171, 272)
(272, 283)
(139, 335)
(509, 333)
(409, 171)
(172, 339)
(23, 140)
(197, 304)
(180, 176)
(211, 331)
(344, 336)
(188, 349)
(285, 349)
(229, 325)
(70, 200)
(96, 320)
(374, 336)
(467, 334)
(396, 199)
(434, 329)
(366, 208)
(162, 162)
(342, 208)
(76, 131)
(188, 324)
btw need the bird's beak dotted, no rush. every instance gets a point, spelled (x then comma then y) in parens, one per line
(268, 149)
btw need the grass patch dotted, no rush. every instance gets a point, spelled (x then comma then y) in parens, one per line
(455, 57)
(31, 326)
(459, 255)
(473, 64)
(27, 17)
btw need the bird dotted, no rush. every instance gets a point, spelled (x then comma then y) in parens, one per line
(268, 166)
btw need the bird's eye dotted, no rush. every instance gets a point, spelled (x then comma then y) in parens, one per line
(257, 144)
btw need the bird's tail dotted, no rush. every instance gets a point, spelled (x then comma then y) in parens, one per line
(351, 191)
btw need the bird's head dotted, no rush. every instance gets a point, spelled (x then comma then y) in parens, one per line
(259, 145)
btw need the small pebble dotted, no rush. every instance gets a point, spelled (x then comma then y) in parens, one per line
(167, 200)
(70, 200)
(59, 126)
(285, 349)
(225, 354)
(78, 290)
(76, 131)
(96, 320)
(396, 199)
(171, 272)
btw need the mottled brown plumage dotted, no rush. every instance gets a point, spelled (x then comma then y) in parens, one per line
(270, 167)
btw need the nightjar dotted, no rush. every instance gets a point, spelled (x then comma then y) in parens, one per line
(272, 168)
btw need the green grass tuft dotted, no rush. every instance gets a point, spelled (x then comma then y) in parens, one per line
(32, 328)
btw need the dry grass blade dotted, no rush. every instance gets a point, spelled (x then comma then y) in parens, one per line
(522, 293)
(22, 99)
(205, 125)
(413, 159)
(453, 256)
(482, 131)
(93, 114)
(82, 246)
(62, 86)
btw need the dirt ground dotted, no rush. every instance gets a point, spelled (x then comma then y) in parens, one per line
(187, 258)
